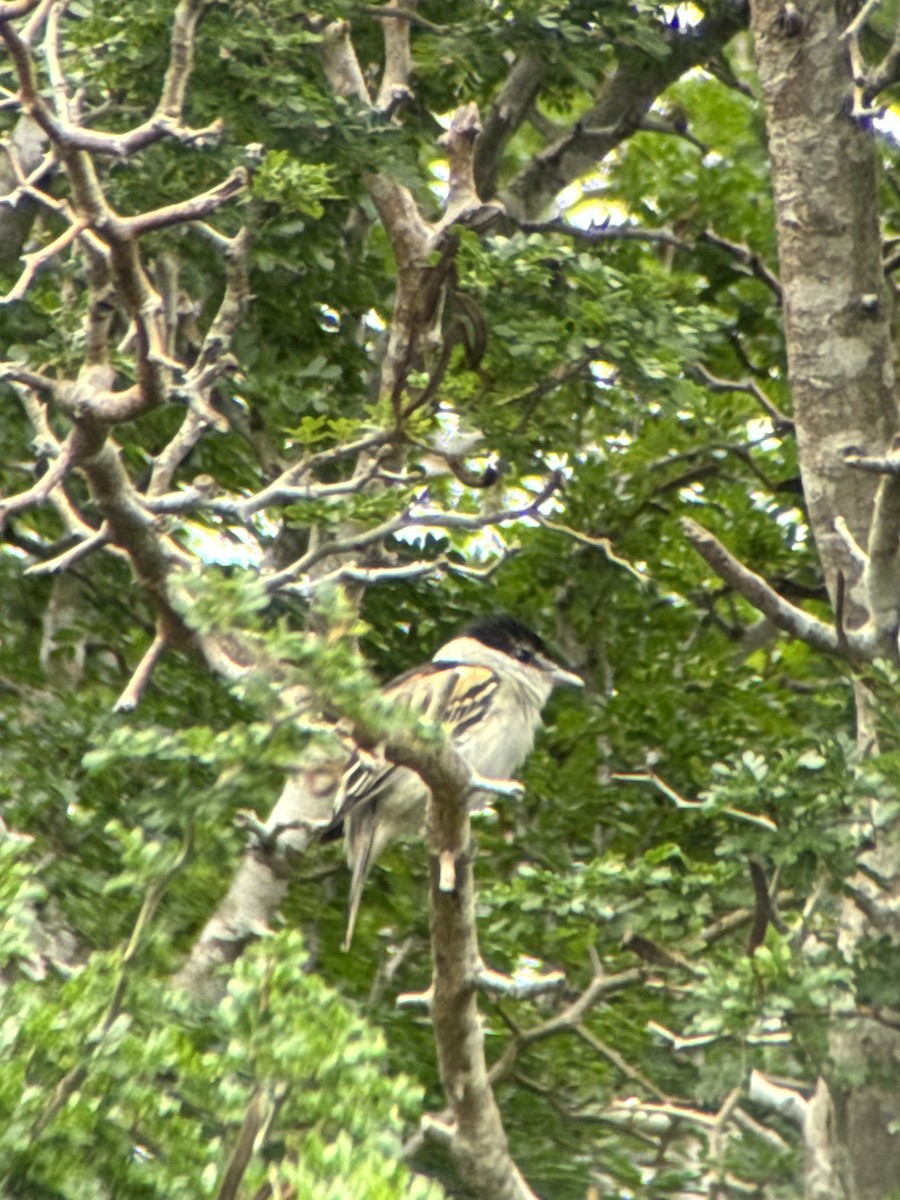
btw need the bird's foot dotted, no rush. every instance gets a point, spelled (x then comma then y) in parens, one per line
(497, 787)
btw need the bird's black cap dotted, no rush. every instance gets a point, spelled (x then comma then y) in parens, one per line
(504, 633)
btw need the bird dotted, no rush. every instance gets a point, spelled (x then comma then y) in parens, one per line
(487, 686)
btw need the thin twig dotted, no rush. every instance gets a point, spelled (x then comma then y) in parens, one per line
(61, 562)
(780, 421)
(647, 775)
(131, 696)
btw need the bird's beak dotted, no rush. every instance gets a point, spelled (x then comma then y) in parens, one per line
(563, 678)
(567, 678)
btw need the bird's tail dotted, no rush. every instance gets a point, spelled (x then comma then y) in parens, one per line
(360, 834)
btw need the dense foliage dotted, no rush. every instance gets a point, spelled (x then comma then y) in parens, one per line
(629, 339)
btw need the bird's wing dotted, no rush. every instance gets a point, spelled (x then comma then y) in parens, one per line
(455, 694)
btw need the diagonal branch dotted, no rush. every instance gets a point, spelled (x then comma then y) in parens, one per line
(165, 121)
(646, 775)
(508, 111)
(410, 520)
(192, 209)
(780, 422)
(625, 99)
(761, 595)
(39, 258)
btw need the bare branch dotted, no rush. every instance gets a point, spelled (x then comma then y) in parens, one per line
(36, 21)
(23, 163)
(678, 1112)
(760, 594)
(39, 492)
(882, 574)
(212, 362)
(85, 546)
(780, 422)
(58, 84)
(13, 372)
(874, 464)
(39, 258)
(744, 255)
(75, 137)
(626, 96)
(566, 1021)
(671, 129)
(524, 988)
(620, 1062)
(153, 555)
(514, 101)
(341, 64)
(193, 209)
(858, 556)
(647, 775)
(411, 519)
(181, 59)
(130, 698)
(603, 544)
(16, 8)
(786, 1101)
(369, 576)
(459, 142)
(603, 231)
(397, 56)
(478, 1141)
(763, 1132)
(394, 12)
(869, 81)
(261, 882)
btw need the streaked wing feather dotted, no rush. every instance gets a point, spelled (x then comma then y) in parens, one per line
(469, 702)
(458, 694)
(366, 777)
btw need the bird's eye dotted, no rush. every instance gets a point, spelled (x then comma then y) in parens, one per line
(524, 655)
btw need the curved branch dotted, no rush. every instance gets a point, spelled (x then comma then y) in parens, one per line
(625, 100)
(761, 595)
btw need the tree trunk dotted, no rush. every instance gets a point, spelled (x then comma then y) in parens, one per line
(840, 357)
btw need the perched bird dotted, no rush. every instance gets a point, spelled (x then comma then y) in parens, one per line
(487, 687)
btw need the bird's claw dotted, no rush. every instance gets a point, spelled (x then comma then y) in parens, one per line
(497, 787)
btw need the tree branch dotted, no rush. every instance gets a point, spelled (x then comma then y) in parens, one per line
(164, 122)
(192, 209)
(17, 8)
(646, 775)
(397, 57)
(754, 589)
(625, 99)
(423, 518)
(780, 422)
(509, 110)
(477, 1139)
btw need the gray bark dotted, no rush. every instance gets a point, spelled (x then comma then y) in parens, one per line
(840, 354)
(28, 144)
